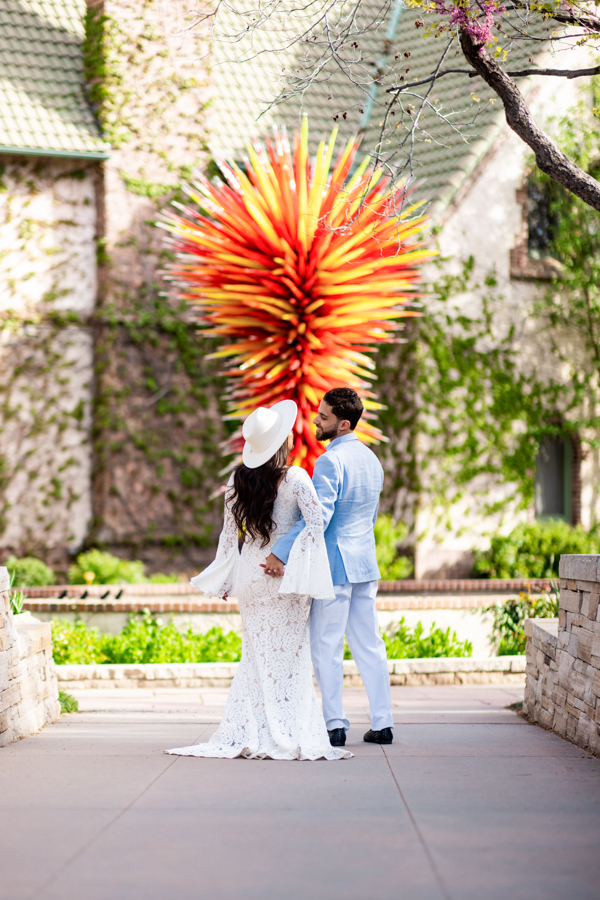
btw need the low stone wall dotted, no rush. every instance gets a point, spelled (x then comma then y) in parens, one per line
(496, 670)
(563, 657)
(28, 684)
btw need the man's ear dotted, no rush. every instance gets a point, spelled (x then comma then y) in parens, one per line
(345, 422)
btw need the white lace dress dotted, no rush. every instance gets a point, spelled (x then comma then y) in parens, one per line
(272, 710)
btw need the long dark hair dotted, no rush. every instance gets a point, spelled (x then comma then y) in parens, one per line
(253, 494)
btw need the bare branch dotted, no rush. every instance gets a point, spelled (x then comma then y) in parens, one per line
(516, 73)
(518, 116)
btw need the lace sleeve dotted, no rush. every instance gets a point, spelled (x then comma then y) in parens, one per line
(219, 578)
(307, 570)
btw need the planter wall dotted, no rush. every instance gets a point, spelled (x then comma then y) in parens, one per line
(28, 684)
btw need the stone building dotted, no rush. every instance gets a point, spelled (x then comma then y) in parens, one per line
(111, 414)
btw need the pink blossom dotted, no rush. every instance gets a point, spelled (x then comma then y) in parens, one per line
(475, 17)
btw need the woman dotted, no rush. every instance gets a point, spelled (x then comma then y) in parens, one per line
(272, 709)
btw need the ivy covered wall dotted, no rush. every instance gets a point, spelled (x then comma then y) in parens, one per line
(157, 420)
(47, 296)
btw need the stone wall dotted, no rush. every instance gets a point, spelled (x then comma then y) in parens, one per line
(563, 657)
(28, 685)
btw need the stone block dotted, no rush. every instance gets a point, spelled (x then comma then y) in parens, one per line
(577, 685)
(584, 644)
(545, 718)
(562, 618)
(579, 566)
(592, 586)
(570, 601)
(559, 696)
(571, 730)
(589, 605)
(559, 725)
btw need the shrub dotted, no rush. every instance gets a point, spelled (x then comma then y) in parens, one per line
(161, 578)
(75, 643)
(68, 703)
(143, 640)
(404, 643)
(388, 534)
(27, 571)
(509, 617)
(533, 550)
(106, 569)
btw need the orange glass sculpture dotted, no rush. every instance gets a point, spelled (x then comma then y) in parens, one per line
(302, 269)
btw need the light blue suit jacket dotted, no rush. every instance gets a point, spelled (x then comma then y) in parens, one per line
(348, 479)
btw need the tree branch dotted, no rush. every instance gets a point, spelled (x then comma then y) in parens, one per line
(516, 73)
(518, 116)
(566, 15)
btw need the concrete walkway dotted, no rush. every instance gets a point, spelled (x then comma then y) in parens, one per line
(469, 803)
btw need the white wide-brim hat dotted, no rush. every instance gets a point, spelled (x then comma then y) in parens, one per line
(265, 430)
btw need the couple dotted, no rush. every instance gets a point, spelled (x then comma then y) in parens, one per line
(323, 532)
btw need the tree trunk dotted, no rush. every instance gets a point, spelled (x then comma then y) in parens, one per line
(548, 157)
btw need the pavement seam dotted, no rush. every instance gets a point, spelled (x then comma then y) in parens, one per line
(71, 860)
(426, 850)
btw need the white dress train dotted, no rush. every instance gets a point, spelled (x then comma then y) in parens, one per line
(272, 710)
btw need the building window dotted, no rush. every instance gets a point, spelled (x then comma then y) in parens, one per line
(530, 258)
(553, 478)
(541, 224)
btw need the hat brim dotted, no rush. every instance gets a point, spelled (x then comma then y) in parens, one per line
(288, 410)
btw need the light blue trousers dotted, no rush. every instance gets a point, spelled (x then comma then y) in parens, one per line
(353, 613)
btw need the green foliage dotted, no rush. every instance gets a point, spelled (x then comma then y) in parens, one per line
(76, 644)
(509, 619)
(106, 569)
(533, 550)
(487, 412)
(388, 535)
(573, 301)
(68, 703)
(161, 578)
(405, 643)
(17, 600)
(27, 571)
(145, 639)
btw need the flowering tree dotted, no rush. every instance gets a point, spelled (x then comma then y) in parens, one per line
(301, 269)
(311, 43)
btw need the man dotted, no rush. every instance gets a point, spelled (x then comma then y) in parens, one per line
(348, 479)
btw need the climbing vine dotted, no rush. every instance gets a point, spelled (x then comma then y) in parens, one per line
(158, 419)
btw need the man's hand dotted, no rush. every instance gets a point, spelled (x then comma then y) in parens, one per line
(273, 566)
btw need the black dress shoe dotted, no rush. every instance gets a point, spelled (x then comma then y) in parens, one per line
(337, 737)
(385, 736)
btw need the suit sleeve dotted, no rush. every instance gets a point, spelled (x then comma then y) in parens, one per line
(282, 548)
(326, 482)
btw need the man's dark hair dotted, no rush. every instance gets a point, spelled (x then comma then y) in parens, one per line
(345, 404)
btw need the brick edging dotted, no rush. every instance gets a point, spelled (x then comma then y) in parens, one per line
(116, 593)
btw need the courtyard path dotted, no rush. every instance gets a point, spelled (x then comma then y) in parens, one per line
(469, 803)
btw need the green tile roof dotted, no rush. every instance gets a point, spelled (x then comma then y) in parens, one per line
(43, 108)
(442, 160)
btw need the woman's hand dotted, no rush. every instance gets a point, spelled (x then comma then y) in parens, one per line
(273, 566)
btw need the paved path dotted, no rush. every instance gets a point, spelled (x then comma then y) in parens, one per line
(469, 803)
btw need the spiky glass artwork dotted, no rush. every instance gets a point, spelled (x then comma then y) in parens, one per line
(301, 269)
